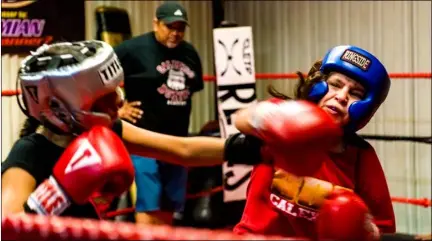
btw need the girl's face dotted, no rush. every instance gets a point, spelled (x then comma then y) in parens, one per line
(342, 92)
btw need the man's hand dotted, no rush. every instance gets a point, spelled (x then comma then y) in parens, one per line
(130, 111)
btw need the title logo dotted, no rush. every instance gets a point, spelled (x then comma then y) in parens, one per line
(110, 71)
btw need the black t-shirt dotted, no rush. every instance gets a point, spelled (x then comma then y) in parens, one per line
(163, 80)
(37, 155)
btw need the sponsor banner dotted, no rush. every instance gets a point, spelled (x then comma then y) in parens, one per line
(27, 25)
(235, 72)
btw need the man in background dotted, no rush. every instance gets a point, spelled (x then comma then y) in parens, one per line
(162, 72)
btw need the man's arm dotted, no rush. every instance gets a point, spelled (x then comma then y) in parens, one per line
(186, 151)
(192, 151)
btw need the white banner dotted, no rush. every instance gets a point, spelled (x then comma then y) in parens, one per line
(235, 74)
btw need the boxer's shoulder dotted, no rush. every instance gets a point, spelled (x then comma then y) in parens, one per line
(33, 153)
(34, 148)
(30, 142)
(21, 152)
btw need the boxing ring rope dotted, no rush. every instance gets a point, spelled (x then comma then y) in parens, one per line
(270, 76)
(274, 76)
(38, 227)
(424, 202)
(426, 140)
(45, 228)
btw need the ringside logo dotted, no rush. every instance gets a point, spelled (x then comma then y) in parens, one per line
(356, 59)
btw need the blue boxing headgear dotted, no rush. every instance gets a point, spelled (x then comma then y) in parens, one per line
(363, 67)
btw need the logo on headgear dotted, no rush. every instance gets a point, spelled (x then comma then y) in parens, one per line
(356, 59)
(110, 71)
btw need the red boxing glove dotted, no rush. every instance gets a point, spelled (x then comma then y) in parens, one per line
(345, 217)
(295, 125)
(96, 161)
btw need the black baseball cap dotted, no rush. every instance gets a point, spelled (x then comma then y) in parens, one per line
(170, 12)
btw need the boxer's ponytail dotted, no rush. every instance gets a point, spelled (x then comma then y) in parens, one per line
(30, 126)
(304, 85)
(275, 93)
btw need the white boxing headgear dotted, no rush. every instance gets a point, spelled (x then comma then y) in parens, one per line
(61, 82)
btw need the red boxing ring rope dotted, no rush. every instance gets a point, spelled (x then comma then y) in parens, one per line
(412, 201)
(274, 76)
(38, 227)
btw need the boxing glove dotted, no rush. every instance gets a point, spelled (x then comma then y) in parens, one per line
(242, 149)
(96, 161)
(294, 125)
(345, 217)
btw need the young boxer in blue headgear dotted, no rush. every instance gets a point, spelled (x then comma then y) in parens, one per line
(285, 197)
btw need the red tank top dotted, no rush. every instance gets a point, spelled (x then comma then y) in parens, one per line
(286, 202)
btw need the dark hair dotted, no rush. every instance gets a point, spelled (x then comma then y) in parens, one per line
(30, 126)
(304, 85)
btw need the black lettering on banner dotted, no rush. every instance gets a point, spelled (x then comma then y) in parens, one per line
(247, 56)
(222, 122)
(232, 92)
(229, 57)
(237, 184)
(227, 113)
(32, 90)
